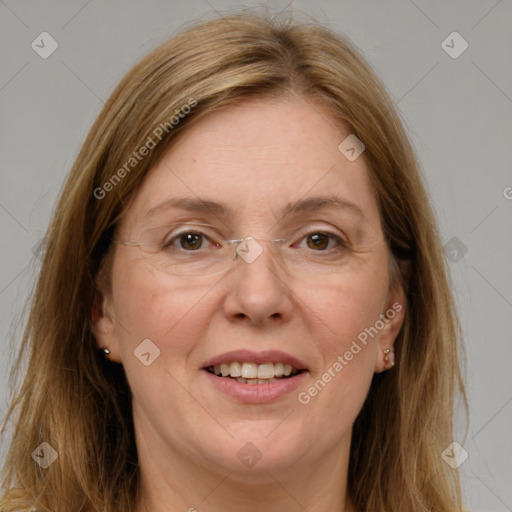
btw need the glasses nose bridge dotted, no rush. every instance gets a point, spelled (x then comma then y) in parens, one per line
(250, 248)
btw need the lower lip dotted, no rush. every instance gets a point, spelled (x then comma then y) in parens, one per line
(256, 393)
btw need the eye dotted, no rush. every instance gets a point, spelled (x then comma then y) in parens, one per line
(192, 241)
(187, 241)
(322, 240)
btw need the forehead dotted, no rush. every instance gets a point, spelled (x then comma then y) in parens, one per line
(257, 158)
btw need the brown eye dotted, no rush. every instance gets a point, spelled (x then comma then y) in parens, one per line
(318, 241)
(191, 241)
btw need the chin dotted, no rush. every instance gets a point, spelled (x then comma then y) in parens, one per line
(257, 451)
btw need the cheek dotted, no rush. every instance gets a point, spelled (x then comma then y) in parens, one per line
(346, 307)
(152, 305)
(343, 314)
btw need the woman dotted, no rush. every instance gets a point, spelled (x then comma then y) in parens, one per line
(243, 303)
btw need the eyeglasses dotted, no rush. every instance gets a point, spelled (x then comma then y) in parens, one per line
(192, 249)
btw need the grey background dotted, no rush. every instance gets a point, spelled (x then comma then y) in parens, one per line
(458, 112)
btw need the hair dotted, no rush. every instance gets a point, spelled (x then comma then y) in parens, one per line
(80, 404)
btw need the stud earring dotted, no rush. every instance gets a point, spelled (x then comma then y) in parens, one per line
(106, 351)
(389, 358)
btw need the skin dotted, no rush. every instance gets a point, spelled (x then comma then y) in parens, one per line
(255, 157)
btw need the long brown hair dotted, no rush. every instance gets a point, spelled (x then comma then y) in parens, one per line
(79, 404)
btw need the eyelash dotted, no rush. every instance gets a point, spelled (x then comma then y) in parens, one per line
(332, 236)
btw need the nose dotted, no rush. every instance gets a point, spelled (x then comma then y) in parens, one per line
(259, 292)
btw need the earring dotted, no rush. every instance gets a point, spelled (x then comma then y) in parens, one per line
(389, 358)
(106, 351)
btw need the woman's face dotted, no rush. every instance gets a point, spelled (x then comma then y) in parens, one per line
(305, 302)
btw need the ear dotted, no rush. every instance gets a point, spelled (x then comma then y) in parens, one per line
(103, 326)
(392, 317)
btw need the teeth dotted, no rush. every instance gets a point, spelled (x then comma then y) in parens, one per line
(265, 371)
(252, 373)
(278, 369)
(249, 370)
(224, 369)
(235, 370)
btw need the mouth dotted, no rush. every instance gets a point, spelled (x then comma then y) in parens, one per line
(255, 377)
(253, 373)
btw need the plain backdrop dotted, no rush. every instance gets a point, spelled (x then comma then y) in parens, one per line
(457, 108)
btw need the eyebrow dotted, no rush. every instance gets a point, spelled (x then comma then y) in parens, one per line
(307, 205)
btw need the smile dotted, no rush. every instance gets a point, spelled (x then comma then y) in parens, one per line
(253, 373)
(255, 377)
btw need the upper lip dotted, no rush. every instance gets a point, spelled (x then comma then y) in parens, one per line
(249, 356)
